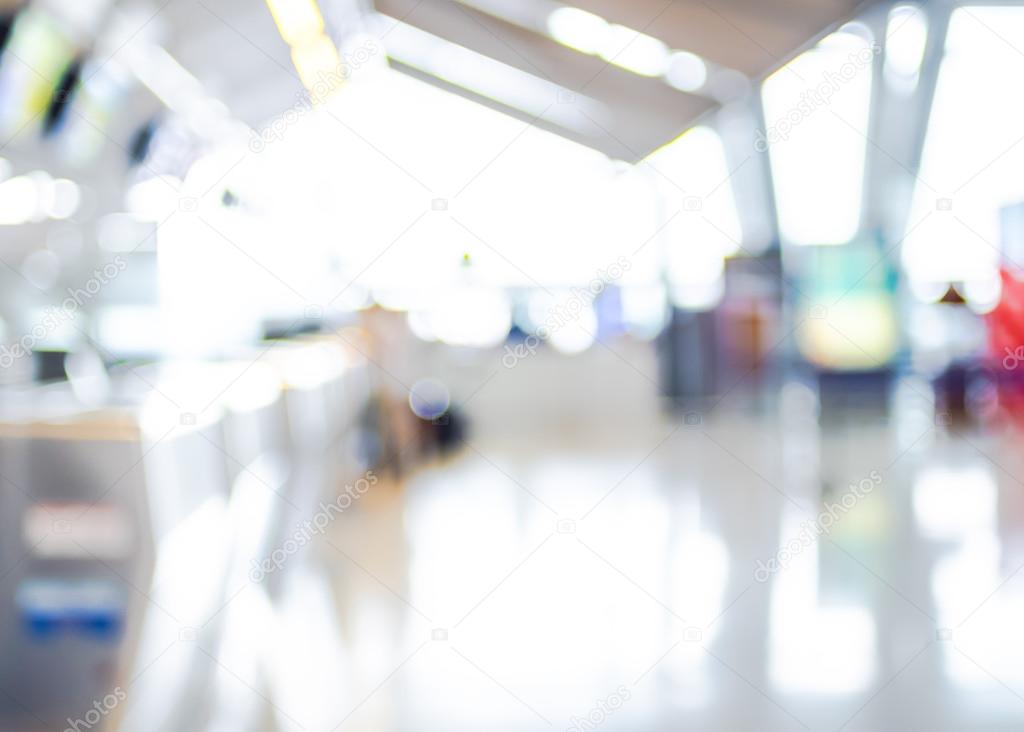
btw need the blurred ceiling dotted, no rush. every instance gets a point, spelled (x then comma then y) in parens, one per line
(235, 50)
(752, 37)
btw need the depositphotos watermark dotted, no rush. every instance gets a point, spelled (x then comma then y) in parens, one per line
(306, 530)
(321, 89)
(821, 525)
(558, 316)
(54, 317)
(1013, 358)
(599, 714)
(816, 97)
(100, 709)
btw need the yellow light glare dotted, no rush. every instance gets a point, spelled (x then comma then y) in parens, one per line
(299, 21)
(319, 66)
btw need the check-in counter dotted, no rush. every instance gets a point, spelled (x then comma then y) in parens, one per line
(203, 560)
(325, 388)
(290, 411)
(320, 376)
(93, 507)
(129, 532)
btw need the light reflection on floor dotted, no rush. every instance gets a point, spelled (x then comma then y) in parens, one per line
(540, 584)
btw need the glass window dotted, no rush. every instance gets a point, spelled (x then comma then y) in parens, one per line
(973, 154)
(702, 225)
(816, 113)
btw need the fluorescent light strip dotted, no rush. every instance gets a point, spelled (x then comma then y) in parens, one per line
(313, 53)
(490, 78)
(635, 51)
(579, 30)
(619, 45)
(298, 21)
(624, 47)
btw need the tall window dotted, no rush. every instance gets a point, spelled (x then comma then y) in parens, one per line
(816, 116)
(973, 154)
(702, 225)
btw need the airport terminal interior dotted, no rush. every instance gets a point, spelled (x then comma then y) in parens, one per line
(514, 365)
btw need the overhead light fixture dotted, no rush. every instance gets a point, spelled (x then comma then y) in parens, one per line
(635, 51)
(687, 71)
(297, 20)
(579, 30)
(619, 45)
(489, 78)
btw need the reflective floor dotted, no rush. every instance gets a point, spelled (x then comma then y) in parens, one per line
(716, 573)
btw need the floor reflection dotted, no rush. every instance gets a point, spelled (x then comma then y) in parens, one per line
(742, 573)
